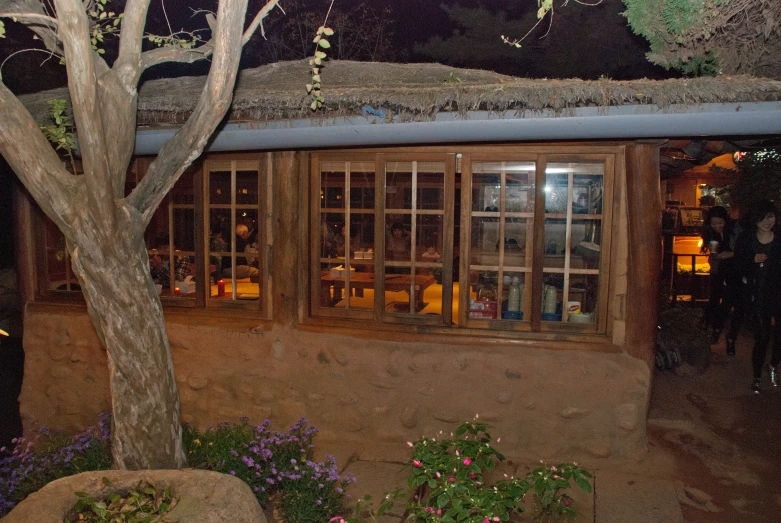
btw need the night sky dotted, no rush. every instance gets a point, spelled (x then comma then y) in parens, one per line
(583, 42)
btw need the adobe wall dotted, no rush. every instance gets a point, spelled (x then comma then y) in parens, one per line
(546, 404)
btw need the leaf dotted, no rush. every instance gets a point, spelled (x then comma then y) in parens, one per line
(583, 484)
(327, 31)
(443, 500)
(313, 105)
(82, 494)
(320, 55)
(324, 44)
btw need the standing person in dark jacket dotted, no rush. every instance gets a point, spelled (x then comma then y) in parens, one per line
(758, 258)
(717, 237)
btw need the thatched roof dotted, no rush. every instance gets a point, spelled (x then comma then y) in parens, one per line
(416, 92)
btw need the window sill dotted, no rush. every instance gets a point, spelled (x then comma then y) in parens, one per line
(461, 336)
(237, 320)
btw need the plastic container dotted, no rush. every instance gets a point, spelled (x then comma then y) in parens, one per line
(514, 298)
(551, 316)
(512, 315)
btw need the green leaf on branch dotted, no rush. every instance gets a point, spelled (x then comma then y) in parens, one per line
(324, 44)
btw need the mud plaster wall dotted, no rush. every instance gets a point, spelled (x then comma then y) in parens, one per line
(546, 404)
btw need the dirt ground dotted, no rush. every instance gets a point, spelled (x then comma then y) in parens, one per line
(718, 441)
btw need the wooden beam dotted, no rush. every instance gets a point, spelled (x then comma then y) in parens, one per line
(644, 212)
(286, 252)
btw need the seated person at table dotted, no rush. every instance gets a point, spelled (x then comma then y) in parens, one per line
(160, 268)
(340, 240)
(244, 264)
(397, 248)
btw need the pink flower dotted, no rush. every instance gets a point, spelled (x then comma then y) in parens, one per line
(338, 519)
(496, 518)
(409, 444)
(553, 468)
(439, 512)
(486, 520)
(567, 502)
(417, 463)
(451, 480)
(439, 475)
(472, 475)
(468, 461)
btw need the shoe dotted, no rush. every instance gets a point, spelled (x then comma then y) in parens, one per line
(755, 386)
(730, 347)
(773, 375)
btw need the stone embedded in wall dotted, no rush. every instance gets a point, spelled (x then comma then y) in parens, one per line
(598, 448)
(381, 384)
(574, 412)
(277, 349)
(231, 413)
(261, 413)
(380, 410)
(196, 382)
(352, 423)
(60, 351)
(337, 376)
(461, 363)
(627, 416)
(267, 395)
(426, 391)
(512, 374)
(504, 398)
(409, 417)
(339, 357)
(446, 415)
(314, 397)
(348, 400)
(393, 370)
(322, 359)
(491, 416)
(61, 371)
(303, 353)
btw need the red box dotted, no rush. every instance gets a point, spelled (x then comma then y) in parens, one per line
(483, 310)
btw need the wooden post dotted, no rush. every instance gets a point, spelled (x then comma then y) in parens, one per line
(644, 213)
(286, 248)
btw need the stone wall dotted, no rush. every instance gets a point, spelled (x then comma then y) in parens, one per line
(546, 404)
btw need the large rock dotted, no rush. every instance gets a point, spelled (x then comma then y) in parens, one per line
(204, 496)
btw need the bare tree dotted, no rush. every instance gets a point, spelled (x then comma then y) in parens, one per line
(104, 230)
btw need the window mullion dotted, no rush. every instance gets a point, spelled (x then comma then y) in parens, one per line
(538, 226)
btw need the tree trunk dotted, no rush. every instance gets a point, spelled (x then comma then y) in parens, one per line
(113, 269)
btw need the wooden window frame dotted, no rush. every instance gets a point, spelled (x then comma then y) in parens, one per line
(611, 155)
(260, 307)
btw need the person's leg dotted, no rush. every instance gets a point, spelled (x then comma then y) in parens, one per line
(247, 271)
(761, 338)
(775, 357)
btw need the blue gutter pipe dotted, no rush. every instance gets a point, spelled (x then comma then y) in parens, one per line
(587, 123)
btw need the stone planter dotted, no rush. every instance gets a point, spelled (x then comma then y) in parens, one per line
(204, 496)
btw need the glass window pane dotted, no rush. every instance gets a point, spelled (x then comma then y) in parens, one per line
(398, 185)
(398, 249)
(235, 254)
(483, 295)
(247, 188)
(582, 299)
(220, 187)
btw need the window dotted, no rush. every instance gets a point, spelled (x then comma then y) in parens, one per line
(210, 228)
(533, 255)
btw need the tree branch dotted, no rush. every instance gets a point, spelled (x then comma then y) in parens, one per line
(188, 143)
(87, 110)
(33, 14)
(176, 54)
(258, 21)
(33, 159)
(128, 66)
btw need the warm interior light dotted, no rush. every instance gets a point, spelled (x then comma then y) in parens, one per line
(3, 333)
